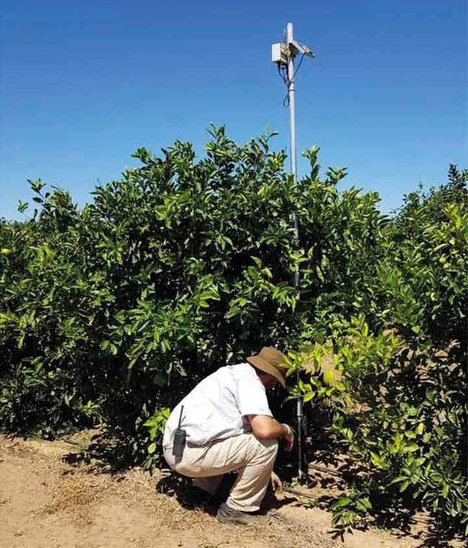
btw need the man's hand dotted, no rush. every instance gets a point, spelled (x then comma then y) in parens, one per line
(289, 439)
(276, 482)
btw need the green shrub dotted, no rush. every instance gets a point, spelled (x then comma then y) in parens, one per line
(397, 392)
(112, 313)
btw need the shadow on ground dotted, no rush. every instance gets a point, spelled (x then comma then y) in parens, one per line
(108, 452)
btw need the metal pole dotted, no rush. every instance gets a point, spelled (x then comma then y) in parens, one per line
(292, 135)
(291, 90)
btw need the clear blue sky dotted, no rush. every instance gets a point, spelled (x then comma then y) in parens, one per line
(83, 84)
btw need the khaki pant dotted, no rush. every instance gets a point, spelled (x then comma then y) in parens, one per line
(251, 457)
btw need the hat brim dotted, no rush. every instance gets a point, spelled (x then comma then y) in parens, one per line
(264, 366)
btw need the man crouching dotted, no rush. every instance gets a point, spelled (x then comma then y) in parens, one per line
(225, 424)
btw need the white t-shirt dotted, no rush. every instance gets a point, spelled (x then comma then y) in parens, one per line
(215, 408)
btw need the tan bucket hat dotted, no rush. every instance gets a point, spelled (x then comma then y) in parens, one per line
(271, 361)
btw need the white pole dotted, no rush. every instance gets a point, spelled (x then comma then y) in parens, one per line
(292, 135)
(292, 125)
(291, 90)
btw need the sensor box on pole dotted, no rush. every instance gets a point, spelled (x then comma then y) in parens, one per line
(279, 53)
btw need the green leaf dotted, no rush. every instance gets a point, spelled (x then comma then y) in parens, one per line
(404, 486)
(328, 377)
(420, 428)
(340, 503)
(398, 479)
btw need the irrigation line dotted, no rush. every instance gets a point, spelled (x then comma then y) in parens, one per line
(326, 470)
(299, 493)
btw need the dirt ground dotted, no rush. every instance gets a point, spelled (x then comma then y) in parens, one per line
(45, 502)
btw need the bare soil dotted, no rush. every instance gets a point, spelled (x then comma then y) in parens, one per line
(45, 502)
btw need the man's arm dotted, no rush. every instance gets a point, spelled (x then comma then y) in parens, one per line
(268, 428)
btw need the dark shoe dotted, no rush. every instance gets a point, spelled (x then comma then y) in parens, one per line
(226, 514)
(195, 497)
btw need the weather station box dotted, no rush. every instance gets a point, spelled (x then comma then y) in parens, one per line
(279, 53)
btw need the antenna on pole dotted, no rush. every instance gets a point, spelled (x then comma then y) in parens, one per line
(283, 54)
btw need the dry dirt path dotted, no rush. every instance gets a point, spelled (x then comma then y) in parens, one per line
(47, 503)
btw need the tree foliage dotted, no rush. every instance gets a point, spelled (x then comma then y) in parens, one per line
(111, 313)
